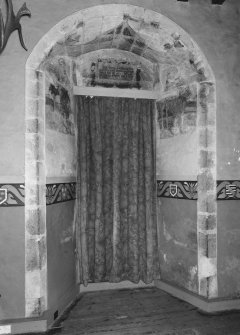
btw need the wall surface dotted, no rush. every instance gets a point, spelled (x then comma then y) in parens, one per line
(229, 249)
(178, 242)
(216, 31)
(12, 260)
(61, 256)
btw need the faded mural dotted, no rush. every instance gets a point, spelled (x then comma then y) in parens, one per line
(59, 110)
(115, 68)
(178, 115)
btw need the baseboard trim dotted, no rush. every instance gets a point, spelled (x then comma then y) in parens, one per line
(209, 306)
(112, 286)
(26, 327)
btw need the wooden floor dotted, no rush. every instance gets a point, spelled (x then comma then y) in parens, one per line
(143, 311)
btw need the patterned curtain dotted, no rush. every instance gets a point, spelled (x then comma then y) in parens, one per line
(117, 226)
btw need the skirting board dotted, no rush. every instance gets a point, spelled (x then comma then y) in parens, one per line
(208, 306)
(24, 327)
(112, 286)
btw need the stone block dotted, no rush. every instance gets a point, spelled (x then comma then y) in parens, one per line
(33, 284)
(35, 126)
(211, 222)
(33, 76)
(202, 221)
(201, 117)
(36, 220)
(35, 253)
(32, 257)
(207, 221)
(211, 203)
(202, 244)
(206, 181)
(207, 159)
(211, 114)
(35, 172)
(35, 195)
(207, 137)
(207, 267)
(33, 307)
(207, 202)
(203, 137)
(34, 147)
(212, 245)
(35, 108)
(213, 286)
(203, 287)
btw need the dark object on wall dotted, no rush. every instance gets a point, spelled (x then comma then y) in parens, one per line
(55, 315)
(12, 23)
(214, 2)
(218, 2)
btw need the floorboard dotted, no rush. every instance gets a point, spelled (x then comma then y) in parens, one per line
(143, 311)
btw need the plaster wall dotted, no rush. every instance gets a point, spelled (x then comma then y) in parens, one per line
(12, 260)
(178, 243)
(177, 157)
(229, 249)
(62, 287)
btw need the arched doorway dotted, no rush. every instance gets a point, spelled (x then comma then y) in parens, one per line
(178, 71)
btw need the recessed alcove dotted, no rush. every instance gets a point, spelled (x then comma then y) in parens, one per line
(124, 51)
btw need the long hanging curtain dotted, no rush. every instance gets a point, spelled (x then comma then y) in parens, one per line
(116, 190)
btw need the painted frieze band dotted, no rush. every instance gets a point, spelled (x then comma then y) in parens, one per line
(228, 190)
(177, 189)
(12, 195)
(56, 193)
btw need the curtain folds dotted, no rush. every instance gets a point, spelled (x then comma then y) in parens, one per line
(116, 190)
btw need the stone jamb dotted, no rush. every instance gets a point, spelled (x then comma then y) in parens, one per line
(35, 206)
(207, 204)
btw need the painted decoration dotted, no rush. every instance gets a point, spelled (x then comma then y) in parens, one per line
(113, 68)
(178, 115)
(177, 189)
(59, 111)
(12, 195)
(109, 72)
(3, 195)
(228, 190)
(173, 189)
(60, 192)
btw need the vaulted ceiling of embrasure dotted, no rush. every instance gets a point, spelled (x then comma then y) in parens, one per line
(159, 51)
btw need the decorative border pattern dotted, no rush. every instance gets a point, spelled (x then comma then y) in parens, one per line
(61, 192)
(228, 190)
(12, 195)
(177, 189)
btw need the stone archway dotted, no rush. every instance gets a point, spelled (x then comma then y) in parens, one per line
(77, 32)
